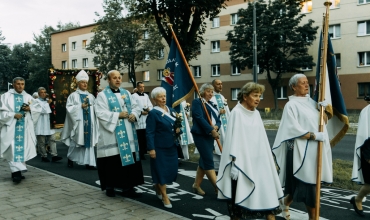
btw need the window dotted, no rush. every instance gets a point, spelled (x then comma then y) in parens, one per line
(234, 19)
(64, 47)
(363, 1)
(234, 94)
(363, 28)
(74, 45)
(159, 74)
(146, 76)
(215, 46)
(235, 70)
(197, 71)
(161, 53)
(281, 92)
(85, 62)
(74, 64)
(307, 6)
(146, 34)
(146, 55)
(96, 61)
(216, 22)
(64, 64)
(84, 44)
(363, 89)
(334, 4)
(334, 31)
(337, 60)
(364, 58)
(215, 69)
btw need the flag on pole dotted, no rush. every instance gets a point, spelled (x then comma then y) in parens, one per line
(176, 80)
(336, 110)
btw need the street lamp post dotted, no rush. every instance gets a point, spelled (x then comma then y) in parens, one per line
(9, 84)
(255, 66)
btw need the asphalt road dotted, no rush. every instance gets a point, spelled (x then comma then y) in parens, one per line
(334, 202)
(344, 150)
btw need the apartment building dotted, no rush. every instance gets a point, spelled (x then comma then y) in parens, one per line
(349, 30)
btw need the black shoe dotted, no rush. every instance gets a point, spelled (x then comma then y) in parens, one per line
(56, 158)
(44, 159)
(131, 193)
(70, 163)
(110, 192)
(17, 177)
(359, 212)
(90, 167)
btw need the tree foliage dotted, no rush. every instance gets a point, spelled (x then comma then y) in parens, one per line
(119, 41)
(5, 66)
(282, 39)
(187, 19)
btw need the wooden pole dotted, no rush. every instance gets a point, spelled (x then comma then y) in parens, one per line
(324, 49)
(193, 80)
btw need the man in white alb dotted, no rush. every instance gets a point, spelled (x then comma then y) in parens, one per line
(145, 105)
(17, 131)
(219, 100)
(80, 131)
(41, 116)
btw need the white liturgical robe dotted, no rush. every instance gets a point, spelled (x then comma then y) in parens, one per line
(7, 127)
(300, 116)
(108, 121)
(40, 111)
(221, 130)
(258, 185)
(73, 131)
(363, 133)
(143, 102)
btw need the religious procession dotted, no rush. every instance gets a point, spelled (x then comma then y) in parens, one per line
(114, 131)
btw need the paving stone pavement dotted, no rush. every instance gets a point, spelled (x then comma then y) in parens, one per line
(44, 195)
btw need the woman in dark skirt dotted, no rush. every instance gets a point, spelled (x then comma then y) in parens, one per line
(204, 135)
(361, 160)
(160, 135)
(295, 148)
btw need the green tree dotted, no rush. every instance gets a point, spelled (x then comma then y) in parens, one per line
(20, 58)
(40, 58)
(282, 39)
(187, 19)
(121, 42)
(5, 66)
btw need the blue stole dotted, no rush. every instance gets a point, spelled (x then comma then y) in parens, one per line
(184, 135)
(87, 120)
(220, 104)
(19, 130)
(120, 131)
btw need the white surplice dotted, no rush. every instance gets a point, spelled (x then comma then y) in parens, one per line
(40, 110)
(300, 116)
(143, 102)
(221, 130)
(108, 121)
(73, 131)
(7, 129)
(363, 133)
(258, 185)
(189, 140)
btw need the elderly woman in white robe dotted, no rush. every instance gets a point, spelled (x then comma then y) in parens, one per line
(295, 148)
(247, 176)
(361, 160)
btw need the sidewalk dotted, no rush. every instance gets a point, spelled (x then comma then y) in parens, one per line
(44, 195)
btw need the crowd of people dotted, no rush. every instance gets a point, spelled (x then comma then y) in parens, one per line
(234, 151)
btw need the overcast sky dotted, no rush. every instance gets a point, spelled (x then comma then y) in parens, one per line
(20, 19)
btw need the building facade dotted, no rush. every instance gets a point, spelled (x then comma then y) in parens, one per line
(349, 30)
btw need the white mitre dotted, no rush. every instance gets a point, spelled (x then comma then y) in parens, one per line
(82, 75)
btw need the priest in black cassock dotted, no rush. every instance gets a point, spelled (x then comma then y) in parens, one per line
(118, 160)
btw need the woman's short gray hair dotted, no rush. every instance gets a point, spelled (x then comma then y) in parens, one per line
(156, 91)
(249, 88)
(294, 80)
(204, 87)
